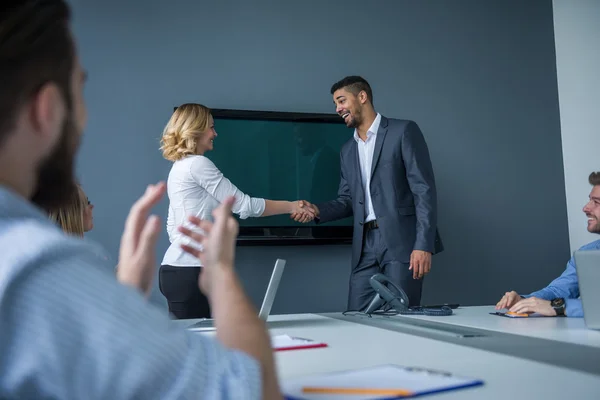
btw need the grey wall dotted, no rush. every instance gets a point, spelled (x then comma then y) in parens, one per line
(479, 78)
(577, 34)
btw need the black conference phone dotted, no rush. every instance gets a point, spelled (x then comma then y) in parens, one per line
(388, 294)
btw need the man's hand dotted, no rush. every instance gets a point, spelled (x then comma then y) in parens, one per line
(137, 253)
(508, 300)
(231, 309)
(420, 263)
(217, 241)
(534, 305)
(304, 211)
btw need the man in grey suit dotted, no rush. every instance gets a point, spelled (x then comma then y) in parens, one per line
(387, 183)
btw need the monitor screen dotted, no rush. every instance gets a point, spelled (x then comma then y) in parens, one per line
(282, 156)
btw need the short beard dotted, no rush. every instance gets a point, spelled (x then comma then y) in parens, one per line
(56, 173)
(356, 120)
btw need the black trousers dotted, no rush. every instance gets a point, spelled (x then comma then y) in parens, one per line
(376, 259)
(179, 285)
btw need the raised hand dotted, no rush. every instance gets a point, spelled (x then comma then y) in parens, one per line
(217, 242)
(137, 253)
(304, 211)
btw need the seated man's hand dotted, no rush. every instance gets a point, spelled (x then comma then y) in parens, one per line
(304, 211)
(217, 243)
(534, 305)
(508, 300)
(137, 252)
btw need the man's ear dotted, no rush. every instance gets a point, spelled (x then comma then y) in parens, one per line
(362, 97)
(47, 112)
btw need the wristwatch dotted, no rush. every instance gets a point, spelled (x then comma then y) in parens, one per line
(559, 306)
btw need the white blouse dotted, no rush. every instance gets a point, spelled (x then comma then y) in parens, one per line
(195, 187)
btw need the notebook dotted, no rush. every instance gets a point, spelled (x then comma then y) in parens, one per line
(207, 324)
(510, 314)
(379, 382)
(287, 342)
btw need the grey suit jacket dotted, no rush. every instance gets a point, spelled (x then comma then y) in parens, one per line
(402, 191)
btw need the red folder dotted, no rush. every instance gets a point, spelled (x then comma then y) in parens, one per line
(286, 342)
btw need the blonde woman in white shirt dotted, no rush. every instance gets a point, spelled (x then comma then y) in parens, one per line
(196, 186)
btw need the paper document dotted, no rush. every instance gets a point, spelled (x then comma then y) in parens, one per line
(281, 342)
(381, 382)
(286, 342)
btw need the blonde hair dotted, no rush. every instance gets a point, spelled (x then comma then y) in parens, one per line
(180, 135)
(69, 216)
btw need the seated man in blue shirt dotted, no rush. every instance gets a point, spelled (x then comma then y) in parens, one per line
(561, 296)
(69, 329)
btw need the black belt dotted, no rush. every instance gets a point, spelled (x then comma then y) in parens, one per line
(371, 225)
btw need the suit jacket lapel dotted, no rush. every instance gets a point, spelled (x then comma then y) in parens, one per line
(381, 132)
(355, 166)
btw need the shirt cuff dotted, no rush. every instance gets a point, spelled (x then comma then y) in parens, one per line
(253, 207)
(573, 308)
(540, 294)
(257, 208)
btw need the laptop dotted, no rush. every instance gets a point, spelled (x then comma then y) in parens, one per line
(588, 275)
(207, 324)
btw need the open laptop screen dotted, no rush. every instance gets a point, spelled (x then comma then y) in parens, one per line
(588, 277)
(267, 304)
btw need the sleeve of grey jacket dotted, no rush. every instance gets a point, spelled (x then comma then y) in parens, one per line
(339, 208)
(419, 173)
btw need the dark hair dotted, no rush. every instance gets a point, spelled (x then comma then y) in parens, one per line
(354, 84)
(36, 47)
(594, 178)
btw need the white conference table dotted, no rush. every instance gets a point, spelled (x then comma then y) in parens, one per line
(353, 345)
(570, 330)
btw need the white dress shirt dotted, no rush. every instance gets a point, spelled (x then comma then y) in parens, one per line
(365, 156)
(196, 187)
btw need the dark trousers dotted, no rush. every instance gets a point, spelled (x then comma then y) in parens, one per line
(179, 285)
(376, 259)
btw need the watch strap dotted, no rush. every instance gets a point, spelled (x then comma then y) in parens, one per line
(559, 309)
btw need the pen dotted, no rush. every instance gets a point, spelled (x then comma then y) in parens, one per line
(363, 391)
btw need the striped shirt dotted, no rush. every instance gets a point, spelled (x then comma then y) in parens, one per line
(69, 330)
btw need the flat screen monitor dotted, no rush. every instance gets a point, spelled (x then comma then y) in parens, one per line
(283, 156)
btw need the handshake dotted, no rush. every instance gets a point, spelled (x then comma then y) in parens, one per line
(303, 211)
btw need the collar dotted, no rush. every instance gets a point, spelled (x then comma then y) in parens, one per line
(372, 129)
(14, 205)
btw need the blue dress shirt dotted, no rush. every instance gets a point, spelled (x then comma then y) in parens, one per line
(566, 286)
(69, 330)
